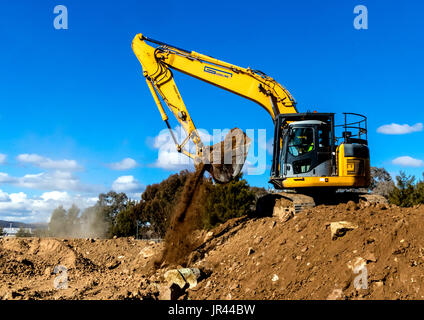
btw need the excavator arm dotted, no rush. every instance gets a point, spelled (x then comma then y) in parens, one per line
(158, 63)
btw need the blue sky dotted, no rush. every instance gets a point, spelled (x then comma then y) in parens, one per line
(74, 103)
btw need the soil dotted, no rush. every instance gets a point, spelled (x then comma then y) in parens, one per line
(96, 269)
(184, 221)
(261, 258)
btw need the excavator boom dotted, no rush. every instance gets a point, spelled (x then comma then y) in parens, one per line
(158, 63)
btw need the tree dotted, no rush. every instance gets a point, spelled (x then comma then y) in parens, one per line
(100, 220)
(381, 182)
(57, 224)
(72, 221)
(41, 233)
(22, 233)
(419, 192)
(95, 223)
(126, 221)
(112, 203)
(227, 201)
(64, 223)
(404, 193)
(214, 203)
(1, 232)
(159, 201)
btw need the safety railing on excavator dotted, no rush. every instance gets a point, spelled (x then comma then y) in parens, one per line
(354, 131)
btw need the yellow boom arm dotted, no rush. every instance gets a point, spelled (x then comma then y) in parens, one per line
(253, 85)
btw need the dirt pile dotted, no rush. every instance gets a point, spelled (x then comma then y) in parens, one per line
(262, 258)
(298, 259)
(95, 269)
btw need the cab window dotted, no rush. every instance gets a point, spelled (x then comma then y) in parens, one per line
(324, 139)
(301, 141)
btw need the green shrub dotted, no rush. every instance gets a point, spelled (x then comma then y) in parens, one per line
(227, 201)
(407, 193)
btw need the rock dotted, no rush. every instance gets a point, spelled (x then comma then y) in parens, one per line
(194, 257)
(275, 278)
(250, 251)
(283, 210)
(178, 281)
(113, 264)
(191, 275)
(339, 229)
(174, 277)
(184, 278)
(365, 204)
(351, 206)
(258, 240)
(147, 252)
(234, 286)
(48, 271)
(300, 226)
(357, 264)
(11, 295)
(25, 261)
(208, 236)
(370, 257)
(152, 291)
(336, 294)
(283, 216)
(381, 206)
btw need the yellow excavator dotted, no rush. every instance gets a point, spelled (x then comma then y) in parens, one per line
(308, 158)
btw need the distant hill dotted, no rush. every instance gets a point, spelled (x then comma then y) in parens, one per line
(6, 224)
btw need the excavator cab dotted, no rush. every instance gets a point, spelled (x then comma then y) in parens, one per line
(306, 154)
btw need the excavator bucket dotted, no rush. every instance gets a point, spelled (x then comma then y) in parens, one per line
(225, 160)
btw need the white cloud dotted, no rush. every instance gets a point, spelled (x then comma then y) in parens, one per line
(395, 128)
(55, 195)
(4, 197)
(168, 156)
(56, 180)
(20, 207)
(127, 184)
(47, 163)
(125, 164)
(407, 161)
(2, 158)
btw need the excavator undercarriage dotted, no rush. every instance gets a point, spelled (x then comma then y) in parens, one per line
(288, 203)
